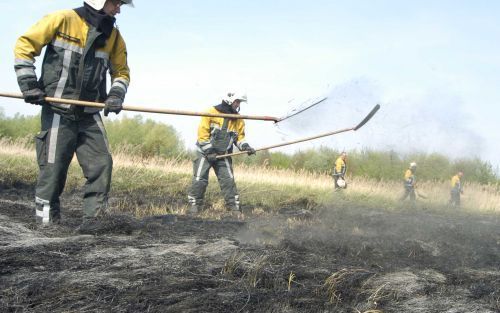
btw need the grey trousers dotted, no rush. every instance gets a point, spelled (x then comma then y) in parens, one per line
(455, 198)
(409, 192)
(224, 171)
(59, 139)
(335, 179)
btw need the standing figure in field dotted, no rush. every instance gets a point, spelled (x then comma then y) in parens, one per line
(410, 181)
(216, 136)
(456, 190)
(339, 171)
(81, 46)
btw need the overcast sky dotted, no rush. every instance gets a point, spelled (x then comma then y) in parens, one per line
(432, 65)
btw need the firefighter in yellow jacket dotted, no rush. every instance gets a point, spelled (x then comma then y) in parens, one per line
(81, 46)
(456, 189)
(410, 181)
(339, 171)
(217, 136)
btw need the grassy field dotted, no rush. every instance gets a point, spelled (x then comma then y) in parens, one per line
(163, 184)
(358, 250)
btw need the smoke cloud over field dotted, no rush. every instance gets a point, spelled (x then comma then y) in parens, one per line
(424, 124)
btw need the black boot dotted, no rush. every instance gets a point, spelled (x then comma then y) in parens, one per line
(193, 209)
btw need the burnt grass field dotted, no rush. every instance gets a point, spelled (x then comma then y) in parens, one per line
(300, 258)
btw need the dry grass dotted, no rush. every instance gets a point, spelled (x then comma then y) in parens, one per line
(338, 281)
(250, 268)
(477, 197)
(291, 279)
(271, 186)
(233, 263)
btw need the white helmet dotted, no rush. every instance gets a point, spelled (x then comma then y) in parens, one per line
(231, 96)
(130, 3)
(99, 4)
(341, 183)
(413, 165)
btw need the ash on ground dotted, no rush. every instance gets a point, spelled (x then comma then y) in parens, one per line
(327, 259)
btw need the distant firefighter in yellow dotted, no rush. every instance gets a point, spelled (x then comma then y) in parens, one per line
(456, 190)
(410, 181)
(339, 171)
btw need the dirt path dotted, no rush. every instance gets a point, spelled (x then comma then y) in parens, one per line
(328, 260)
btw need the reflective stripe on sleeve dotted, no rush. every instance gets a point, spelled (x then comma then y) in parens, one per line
(120, 83)
(25, 71)
(24, 68)
(23, 62)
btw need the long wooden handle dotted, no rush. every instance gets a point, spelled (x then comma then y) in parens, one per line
(363, 122)
(288, 143)
(148, 110)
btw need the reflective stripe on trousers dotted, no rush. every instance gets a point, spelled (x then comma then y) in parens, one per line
(42, 210)
(225, 176)
(59, 140)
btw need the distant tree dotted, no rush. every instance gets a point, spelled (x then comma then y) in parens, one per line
(146, 138)
(19, 126)
(475, 170)
(430, 166)
(374, 164)
(277, 160)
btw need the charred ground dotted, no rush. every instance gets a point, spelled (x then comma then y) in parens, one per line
(328, 259)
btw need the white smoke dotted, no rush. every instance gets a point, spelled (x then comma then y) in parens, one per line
(433, 123)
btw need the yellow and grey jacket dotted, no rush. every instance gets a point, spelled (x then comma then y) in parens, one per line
(410, 179)
(340, 167)
(456, 184)
(211, 127)
(72, 67)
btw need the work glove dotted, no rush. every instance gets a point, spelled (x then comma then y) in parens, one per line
(34, 96)
(113, 104)
(211, 157)
(249, 150)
